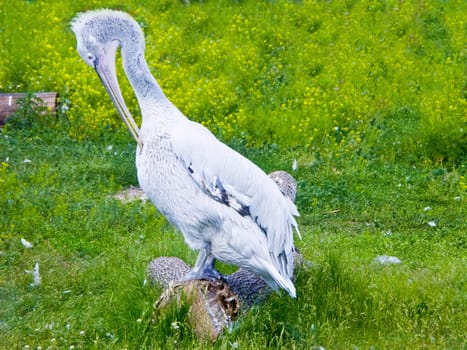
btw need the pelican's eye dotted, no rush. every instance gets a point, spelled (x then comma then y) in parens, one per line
(92, 59)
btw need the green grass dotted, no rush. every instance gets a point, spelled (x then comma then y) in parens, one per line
(93, 252)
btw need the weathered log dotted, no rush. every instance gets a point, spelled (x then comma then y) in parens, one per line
(8, 103)
(286, 183)
(214, 304)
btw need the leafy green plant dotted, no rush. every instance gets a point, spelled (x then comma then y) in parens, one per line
(283, 72)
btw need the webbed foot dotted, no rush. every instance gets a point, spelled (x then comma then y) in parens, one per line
(205, 273)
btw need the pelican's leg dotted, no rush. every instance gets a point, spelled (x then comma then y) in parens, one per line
(201, 259)
(204, 266)
(208, 269)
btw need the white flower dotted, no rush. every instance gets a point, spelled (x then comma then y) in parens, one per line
(174, 325)
(426, 208)
(294, 165)
(27, 161)
(82, 333)
(432, 223)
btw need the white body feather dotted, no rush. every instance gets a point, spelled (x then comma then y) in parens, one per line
(179, 160)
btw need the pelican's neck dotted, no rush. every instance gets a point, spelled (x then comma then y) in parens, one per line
(147, 90)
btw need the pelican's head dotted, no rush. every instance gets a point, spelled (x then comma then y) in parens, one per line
(99, 34)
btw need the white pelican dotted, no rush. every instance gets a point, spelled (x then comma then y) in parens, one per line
(226, 207)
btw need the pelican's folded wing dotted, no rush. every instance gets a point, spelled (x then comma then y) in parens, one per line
(235, 181)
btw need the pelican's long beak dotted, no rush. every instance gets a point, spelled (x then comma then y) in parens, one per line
(105, 68)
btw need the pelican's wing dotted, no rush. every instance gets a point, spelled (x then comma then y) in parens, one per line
(230, 178)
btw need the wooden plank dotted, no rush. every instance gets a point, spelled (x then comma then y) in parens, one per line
(8, 103)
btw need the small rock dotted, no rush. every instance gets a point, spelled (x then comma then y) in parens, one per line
(131, 194)
(387, 260)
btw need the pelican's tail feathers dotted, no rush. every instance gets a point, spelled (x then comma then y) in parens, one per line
(288, 286)
(275, 280)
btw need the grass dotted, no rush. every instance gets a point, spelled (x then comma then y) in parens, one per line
(93, 251)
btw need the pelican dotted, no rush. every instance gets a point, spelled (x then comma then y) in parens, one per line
(226, 207)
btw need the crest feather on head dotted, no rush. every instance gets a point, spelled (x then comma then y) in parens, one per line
(99, 24)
